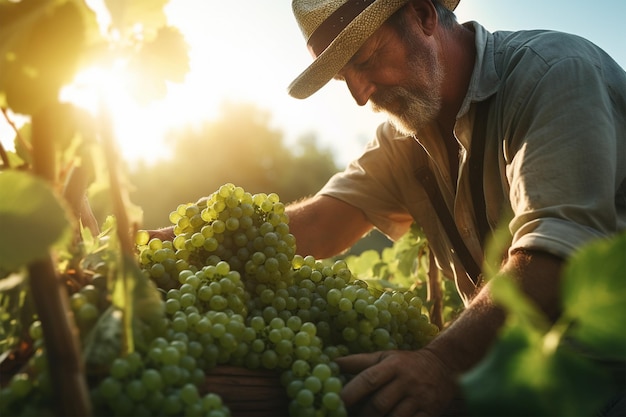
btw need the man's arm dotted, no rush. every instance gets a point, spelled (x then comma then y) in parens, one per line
(538, 275)
(424, 381)
(325, 226)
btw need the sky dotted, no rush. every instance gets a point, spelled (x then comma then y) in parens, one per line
(250, 50)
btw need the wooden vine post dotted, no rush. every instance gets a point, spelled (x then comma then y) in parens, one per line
(50, 296)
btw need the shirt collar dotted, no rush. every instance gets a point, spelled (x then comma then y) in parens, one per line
(485, 79)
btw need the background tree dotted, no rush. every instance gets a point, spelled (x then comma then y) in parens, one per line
(240, 147)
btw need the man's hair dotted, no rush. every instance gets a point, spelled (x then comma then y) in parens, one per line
(446, 17)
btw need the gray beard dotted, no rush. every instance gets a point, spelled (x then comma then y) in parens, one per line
(407, 111)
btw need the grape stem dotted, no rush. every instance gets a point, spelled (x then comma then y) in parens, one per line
(121, 216)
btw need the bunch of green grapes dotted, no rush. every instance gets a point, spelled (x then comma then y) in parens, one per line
(250, 232)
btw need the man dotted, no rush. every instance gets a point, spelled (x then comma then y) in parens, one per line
(545, 151)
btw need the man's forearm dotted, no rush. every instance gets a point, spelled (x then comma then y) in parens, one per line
(467, 341)
(325, 226)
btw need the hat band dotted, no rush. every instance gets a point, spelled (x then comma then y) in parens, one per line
(328, 30)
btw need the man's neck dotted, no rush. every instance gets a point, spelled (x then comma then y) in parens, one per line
(458, 56)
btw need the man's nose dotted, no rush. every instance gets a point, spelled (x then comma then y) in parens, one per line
(360, 87)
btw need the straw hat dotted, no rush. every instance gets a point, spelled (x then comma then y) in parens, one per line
(335, 30)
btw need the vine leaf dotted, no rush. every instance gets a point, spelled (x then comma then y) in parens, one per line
(128, 14)
(550, 382)
(39, 51)
(546, 365)
(165, 58)
(32, 219)
(594, 294)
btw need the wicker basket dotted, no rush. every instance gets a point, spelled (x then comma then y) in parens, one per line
(249, 393)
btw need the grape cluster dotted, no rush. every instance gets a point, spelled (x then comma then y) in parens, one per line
(249, 232)
(236, 294)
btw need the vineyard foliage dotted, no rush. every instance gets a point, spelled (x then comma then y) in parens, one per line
(99, 319)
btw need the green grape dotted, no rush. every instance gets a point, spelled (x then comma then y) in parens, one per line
(345, 304)
(322, 372)
(120, 368)
(211, 401)
(170, 356)
(218, 302)
(136, 390)
(152, 380)
(172, 405)
(20, 385)
(305, 397)
(313, 384)
(294, 387)
(35, 330)
(189, 394)
(300, 368)
(333, 384)
(302, 338)
(269, 359)
(110, 388)
(142, 237)
(331, 400)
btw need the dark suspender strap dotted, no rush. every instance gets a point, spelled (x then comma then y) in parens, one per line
(427, 179)
(476, 162)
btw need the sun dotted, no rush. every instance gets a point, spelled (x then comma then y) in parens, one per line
(139, 129)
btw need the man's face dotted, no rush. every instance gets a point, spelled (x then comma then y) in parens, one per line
(398, 75)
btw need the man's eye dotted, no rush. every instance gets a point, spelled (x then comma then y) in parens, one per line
(364, 63)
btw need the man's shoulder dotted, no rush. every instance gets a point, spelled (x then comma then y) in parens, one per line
(547, 46)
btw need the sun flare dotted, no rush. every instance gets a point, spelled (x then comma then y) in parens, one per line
(139, 129)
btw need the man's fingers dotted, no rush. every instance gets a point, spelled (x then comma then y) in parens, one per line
(353, 364)
(166, 233)
(371, 376)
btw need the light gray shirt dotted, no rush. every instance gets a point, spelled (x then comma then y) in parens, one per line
(555, 153)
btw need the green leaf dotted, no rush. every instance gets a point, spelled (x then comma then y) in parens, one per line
(522, 378)
(362, 265)
(594, 296)
(127, 14)
(147, 302)
(136, 296)
(32, 219)
(39, 50)
(163, 59)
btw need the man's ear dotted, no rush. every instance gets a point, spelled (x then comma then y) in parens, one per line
(424, 14)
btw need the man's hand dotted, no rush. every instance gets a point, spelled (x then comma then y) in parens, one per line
(166, 233)
(397, 383)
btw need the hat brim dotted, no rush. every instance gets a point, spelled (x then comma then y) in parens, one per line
(345, 45)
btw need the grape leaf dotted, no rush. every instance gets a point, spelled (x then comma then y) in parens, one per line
(127, 14)
(32, 219)
(594, 296)
(163, 59)
(363, 264)
(521, 378)
(39, 50)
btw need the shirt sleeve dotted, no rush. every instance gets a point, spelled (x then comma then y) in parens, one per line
(374, 182)
(563, 150)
